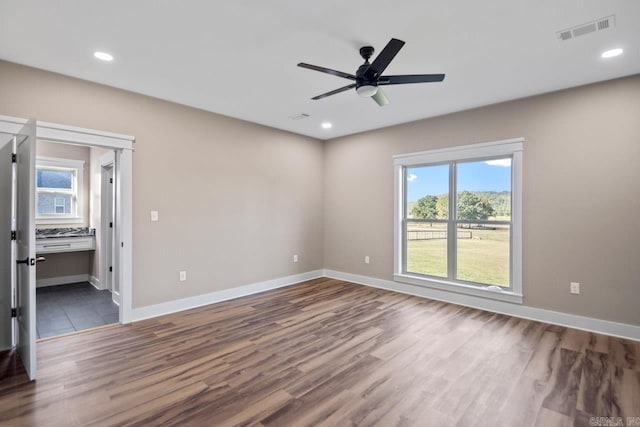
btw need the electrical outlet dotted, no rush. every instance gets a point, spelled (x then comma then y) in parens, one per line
(366, 259)
(154, 215)
(183, 276)
(295, 258)
(574, 287)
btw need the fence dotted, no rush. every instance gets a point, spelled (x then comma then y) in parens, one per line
(436, 234)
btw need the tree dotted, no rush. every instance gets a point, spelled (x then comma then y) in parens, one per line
(442, 206)
(425, 207)
(472, 206)
(499, 200)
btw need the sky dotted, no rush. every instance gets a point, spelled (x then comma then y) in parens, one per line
(491, 175)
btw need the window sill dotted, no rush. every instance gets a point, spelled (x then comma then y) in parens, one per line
(73, 220)
(448, 286)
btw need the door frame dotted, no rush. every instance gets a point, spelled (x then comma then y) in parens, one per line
(123, 172)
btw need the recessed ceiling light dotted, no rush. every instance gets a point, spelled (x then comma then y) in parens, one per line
(103, 56)
(611, 53)
(326, 125)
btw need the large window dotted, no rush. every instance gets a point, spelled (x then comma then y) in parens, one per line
(58, 190)
(458, 219)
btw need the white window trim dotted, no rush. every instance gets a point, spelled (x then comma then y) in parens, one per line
(512, 147)
(75, 217)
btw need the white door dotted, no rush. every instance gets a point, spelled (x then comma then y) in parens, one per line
(107, 229)
(109, 237)
(26, 248)
(107, 272)
(6, 244)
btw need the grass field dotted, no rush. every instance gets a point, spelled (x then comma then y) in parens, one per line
(484, 258)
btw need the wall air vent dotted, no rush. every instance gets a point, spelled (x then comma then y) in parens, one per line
(299, 116)
(587, 28)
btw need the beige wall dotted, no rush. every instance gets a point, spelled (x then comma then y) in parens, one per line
(581, 193)
(236, 200)
(71, 152)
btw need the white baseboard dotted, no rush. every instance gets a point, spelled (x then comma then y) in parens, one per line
(621, 330)
(219, 296)
(95, 282)
(62, 280)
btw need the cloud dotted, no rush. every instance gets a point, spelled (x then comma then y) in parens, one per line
(412, 177)
(499, 162)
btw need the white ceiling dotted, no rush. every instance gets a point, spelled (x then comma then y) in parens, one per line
(238, 58)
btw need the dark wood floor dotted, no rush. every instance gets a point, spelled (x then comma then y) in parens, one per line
(329, 353)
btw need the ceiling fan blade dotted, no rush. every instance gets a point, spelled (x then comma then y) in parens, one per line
(328, 71)
(410, 78)
(384, 58)
(333, 92)
(380, 98)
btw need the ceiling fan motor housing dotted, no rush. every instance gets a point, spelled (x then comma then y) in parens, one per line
(364, 85)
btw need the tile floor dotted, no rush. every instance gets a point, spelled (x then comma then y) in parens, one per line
(73, 307)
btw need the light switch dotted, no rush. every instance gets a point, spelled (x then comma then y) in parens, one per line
(154, 215)
(574, 288)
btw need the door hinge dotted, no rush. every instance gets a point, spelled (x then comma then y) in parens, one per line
(14, 158)
(110, 180)
(14, 312)
(110, 225)
(110, 268)
(13, 235)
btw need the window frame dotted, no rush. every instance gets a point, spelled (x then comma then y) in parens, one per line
(76, 192)
(475, 152)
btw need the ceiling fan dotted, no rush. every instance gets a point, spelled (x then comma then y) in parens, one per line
(369, 76)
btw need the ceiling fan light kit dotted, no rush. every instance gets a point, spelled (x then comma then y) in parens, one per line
(369, 76)
(366, 90)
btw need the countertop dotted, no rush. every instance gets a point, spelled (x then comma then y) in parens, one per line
(53, 233)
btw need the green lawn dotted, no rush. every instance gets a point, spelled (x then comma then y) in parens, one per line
(484, 258)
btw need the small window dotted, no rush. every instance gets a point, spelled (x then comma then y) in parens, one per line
(58, 190)
(458, 219)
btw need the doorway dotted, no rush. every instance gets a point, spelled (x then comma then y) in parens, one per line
(74, 218)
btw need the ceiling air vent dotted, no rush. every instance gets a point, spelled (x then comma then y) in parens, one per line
(565, 35)
(590, 27)
(604, 24)
(299, 116)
